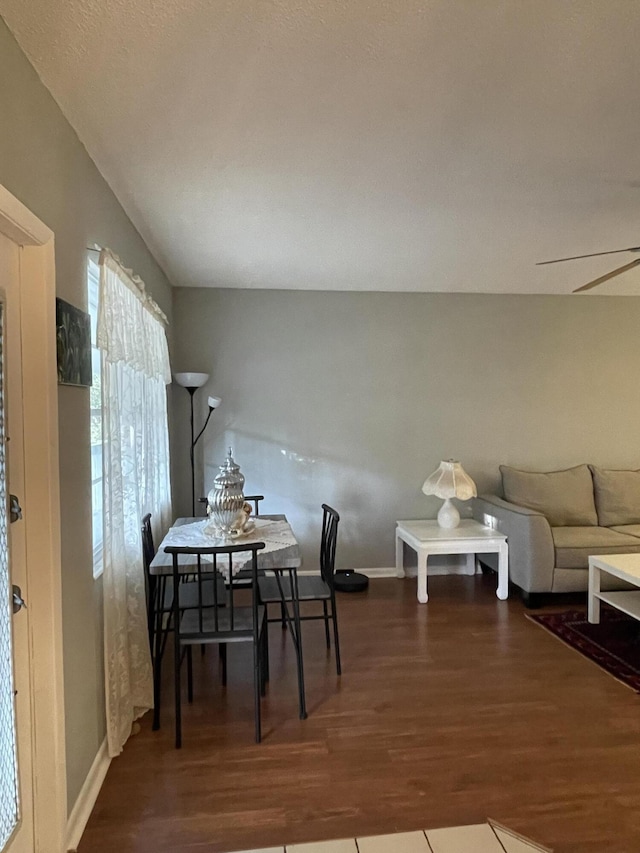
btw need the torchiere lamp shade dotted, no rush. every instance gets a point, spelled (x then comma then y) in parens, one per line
(191, 380)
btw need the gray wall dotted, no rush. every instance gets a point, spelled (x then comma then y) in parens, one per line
(43, 163)
(353, 398)
(346, 398)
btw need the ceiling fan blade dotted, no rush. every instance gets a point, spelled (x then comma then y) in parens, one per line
(593, 255)
(609, 275)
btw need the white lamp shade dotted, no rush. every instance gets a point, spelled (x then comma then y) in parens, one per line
(214, 402)
(191, 380)
(450, 480)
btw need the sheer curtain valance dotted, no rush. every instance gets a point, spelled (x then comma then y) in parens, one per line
(130, 324)
(135, 371)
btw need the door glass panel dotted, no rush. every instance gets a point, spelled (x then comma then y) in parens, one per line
(9, 811)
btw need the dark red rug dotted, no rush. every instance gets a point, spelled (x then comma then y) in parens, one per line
(614, 644)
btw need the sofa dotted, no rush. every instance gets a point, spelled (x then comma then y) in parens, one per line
(555, 520)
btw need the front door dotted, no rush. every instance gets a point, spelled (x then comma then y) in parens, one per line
(16, 774)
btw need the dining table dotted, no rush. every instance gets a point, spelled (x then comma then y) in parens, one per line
(280, 555)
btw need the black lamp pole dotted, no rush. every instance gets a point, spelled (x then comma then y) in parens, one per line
(192, 391)
(193, 381)
(194, 441)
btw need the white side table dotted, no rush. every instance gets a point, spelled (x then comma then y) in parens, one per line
(470, 537)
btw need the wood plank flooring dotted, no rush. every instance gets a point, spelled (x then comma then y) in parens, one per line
(446, 714)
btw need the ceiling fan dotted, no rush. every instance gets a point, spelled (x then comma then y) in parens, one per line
(602, 278)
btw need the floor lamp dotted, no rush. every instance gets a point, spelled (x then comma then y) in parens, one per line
(193, 381)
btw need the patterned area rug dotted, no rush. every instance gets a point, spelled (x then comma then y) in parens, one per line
(614, 644)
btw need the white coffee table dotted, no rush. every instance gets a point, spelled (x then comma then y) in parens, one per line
(623, 566)
(470, 538)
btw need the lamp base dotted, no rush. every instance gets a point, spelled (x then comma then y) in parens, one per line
(448, 516)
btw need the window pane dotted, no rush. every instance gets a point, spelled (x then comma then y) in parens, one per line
(9, 811)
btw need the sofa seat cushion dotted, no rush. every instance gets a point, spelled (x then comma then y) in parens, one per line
(617, 495)
(574, 545)
(629, 529)
(565, 498)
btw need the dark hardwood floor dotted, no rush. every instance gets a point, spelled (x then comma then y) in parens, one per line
(446, 714)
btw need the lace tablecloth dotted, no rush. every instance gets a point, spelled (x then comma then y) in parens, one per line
(281, 549)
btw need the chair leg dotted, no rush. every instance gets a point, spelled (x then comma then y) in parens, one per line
(189, 675)
(158, 643)
(170, 618)
(223, 658)
(151, 609)
(326, 623)
(165, 633)
(266, 646)
(264, 658)
(263, 683)
(176, 664)
(257, 677)
(335, 634)
(157, 676)
(283, 617)
(298, 643)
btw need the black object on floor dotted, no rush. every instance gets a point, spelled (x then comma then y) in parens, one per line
(346, 580)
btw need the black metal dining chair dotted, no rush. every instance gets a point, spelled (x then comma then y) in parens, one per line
(160, 599)
(234, 623)
(273, 589)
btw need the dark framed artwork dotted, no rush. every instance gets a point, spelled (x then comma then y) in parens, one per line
(73, 344)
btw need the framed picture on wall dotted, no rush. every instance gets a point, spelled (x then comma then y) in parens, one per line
(73, 344)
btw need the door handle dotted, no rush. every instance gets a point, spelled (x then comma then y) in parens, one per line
(15, 510)
(17, 599)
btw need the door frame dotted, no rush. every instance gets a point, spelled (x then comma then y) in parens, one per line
(41, 504)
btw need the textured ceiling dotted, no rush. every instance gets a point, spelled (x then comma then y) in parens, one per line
(440, 145)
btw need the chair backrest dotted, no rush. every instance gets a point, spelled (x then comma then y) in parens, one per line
(209, 562)
(254, 499)
(328, 542)
(148, 548)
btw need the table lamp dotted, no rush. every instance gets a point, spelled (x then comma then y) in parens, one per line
(448, 481)
(193, 381)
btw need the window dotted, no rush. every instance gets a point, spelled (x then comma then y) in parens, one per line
(93, 286)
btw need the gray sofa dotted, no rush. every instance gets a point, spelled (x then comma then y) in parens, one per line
(555, 520)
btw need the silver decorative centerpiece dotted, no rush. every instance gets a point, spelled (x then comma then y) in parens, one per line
(226, 498)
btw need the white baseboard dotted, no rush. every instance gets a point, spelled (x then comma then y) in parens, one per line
(87, 797)
(438, 569)
(437, 566)
(379, 572)
(412, 572)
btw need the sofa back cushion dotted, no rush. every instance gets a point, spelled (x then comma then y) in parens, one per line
(565, 498)
(617, 496)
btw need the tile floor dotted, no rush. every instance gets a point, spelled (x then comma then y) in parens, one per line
(480, 838)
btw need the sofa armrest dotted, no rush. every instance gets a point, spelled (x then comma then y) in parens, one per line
(531, 551)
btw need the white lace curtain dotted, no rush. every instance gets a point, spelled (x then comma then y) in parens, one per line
(135, 371)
